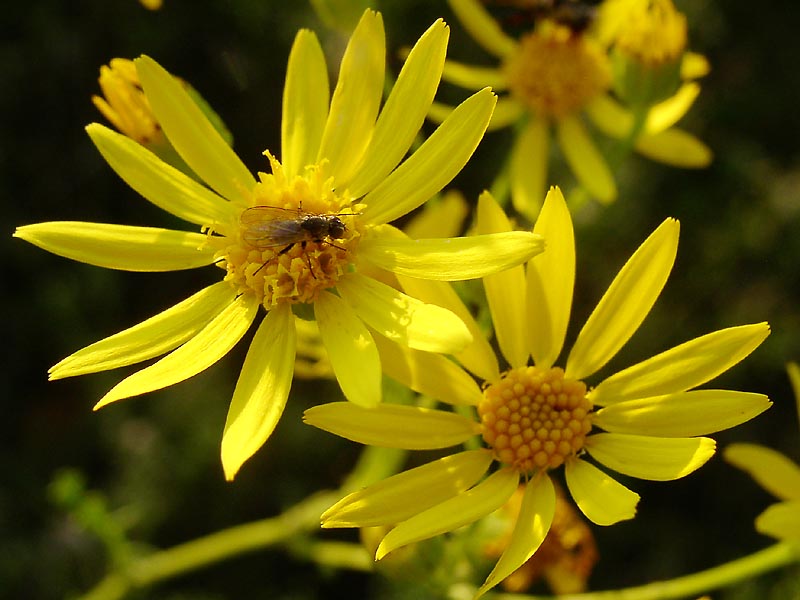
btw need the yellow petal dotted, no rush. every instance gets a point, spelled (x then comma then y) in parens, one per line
(160, 183)
(684, 414)
(356, 99)
(392, 425)
(675, 147)
(534, 520)
(770, 469)
(351, 350)
(306, 94)
(682, 367)
(505, 291)
(404, 111)
(434, 164)
(191, 133)
(694, 65)
(601, 498)
(402, 318)
(155, 336)
(403, 495)
(668, 112)
(261, 391)
(466, 508)
(428, 373)
(626, 303)
(781, 521)
(124, 247)
(212, 343)
(479, 356)
(645, 457)
(441, 219)
(585, 160)
(507, 112)
(793, 370)
(473, 77)
(451, 259)
(483, 28)
(529, 159)
(550, 282)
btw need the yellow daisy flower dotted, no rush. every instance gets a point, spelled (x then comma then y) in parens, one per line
(536, 417)
(292, 238)
(777, 474)
(553, 75)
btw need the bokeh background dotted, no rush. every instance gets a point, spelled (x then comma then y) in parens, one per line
(154, 460)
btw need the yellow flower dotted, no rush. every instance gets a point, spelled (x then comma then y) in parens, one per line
(535, 417)
(294, 237)
(777, 474)
(553, 75)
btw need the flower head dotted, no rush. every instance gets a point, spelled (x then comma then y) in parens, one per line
(777, 474)
(295, 239)
(552, 76)
(535, 417)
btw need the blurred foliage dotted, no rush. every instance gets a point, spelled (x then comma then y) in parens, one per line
(149, 466)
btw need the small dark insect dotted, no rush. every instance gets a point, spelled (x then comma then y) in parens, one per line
(267, 226)
(578, 15)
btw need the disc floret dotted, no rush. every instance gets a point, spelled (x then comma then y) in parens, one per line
(535, 418)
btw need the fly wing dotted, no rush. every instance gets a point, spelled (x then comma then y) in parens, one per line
(264, 226)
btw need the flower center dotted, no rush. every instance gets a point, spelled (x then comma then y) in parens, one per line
(556, 72)
(294, 241)
(535, 418)
(654, 33)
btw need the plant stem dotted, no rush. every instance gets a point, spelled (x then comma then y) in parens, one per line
(771, 558)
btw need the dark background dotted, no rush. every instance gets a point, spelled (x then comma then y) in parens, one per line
(155, 459)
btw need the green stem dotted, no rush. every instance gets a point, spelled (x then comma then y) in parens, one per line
(774, 557)
(213, 548)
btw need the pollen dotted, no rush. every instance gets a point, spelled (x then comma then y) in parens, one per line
(296, 239)
(535, 418)
(654, 33)
(556, 72)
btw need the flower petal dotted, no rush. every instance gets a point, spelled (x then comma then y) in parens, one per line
(685, 414)
(306, 94)
(451, 259)
(781, 521)
(212, 343)
(528, 171)
(479, 356)
(507, 112)
(392, 425)
(466, 508)
(675, 147)
(770, 469)
(534, 520)
(155, 336)
(668, 112)
(473, 77)
(123, 247)
(626, 302)
(160, 183)
(192, 134)
(441, 219)
(483, 28)
(402, 318)
(646, 457)
(682, 367)
(404, 111)
(428, 373)
(403, 495)
(585, 160)
(601, 498)
(351, 350)
(434, 164)
(505, 290)
(356, 99)
(550, 282)
(261, 391)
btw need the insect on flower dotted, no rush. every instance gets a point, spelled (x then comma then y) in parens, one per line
(267, 226)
